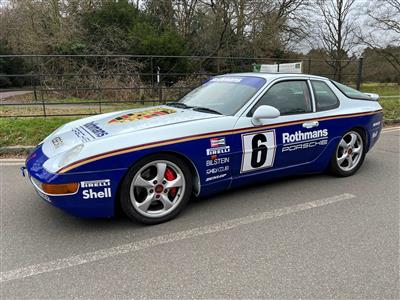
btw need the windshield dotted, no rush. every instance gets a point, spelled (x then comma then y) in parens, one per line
(350, 92)
(225, 95)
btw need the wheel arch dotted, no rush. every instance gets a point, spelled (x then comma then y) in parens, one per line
(192, 167)
(364, 132)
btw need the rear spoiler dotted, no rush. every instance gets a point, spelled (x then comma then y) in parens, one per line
(374, 97)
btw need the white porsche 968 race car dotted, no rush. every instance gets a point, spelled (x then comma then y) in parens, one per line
(233, 130)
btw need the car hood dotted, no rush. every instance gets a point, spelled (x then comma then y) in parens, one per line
(104, 126)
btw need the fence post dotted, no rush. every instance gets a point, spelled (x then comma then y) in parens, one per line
(359, 74)
(160, 95)
(152, 70)
(41, 86)
(42, 97)
(309, 66)
(33, 80)
(98, 88)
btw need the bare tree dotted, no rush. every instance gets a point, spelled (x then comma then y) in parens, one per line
(336, 32)
(279, 25)
(185, 11)
(384, 20)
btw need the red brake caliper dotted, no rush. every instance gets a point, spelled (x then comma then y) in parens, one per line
(170, 175)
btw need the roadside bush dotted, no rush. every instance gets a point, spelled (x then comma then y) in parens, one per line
(4, 81)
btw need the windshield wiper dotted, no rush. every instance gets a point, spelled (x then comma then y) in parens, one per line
(205, 109)
(178, 104)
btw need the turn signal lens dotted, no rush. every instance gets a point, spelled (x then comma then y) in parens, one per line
(59, 189)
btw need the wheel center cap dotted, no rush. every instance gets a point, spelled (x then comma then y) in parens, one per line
(159, 188)
(350, 151)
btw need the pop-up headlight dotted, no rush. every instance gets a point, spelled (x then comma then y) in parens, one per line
(70, 155)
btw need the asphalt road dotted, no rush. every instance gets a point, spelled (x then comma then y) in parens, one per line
(307, 237)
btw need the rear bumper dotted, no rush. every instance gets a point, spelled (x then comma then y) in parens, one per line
(95, 197)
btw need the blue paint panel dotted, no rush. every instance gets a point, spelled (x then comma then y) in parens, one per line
(75, 204)
(225, 172)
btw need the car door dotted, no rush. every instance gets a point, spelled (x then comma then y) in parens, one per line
(292, 139)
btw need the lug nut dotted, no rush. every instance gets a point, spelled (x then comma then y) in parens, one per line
(164, 182)
(151, 191)
(155, 182)
(165, 191)
(157, 196)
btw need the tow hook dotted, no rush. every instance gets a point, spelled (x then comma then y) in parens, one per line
(23, 171)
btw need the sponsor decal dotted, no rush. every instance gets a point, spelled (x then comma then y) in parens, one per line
(216, 177)
(96, 183)
(218, 146)
(57, 142)
(95, 129)
(146, 114)
(217, 170)
(374, 134)
(217, 161)
(305, 145)
(258, 150)
(96, 189)
(226, 79)
(217, 142)
(304, 140)
(300, 136)
(82, 135)
(376, 124)
(219, 150)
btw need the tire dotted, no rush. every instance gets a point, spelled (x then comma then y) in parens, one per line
(349, 154)
(156, 189)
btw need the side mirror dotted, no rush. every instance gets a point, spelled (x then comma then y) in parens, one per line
(265, 112)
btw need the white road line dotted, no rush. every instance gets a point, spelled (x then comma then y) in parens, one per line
(81, 259)
(12, 162)
(391, 129)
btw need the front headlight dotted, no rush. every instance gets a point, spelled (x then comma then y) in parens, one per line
(70, 156)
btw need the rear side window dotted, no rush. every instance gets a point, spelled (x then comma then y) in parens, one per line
(350, 92)
(289, 97)
(325, 98)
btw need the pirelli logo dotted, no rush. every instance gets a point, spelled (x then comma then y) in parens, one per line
(95, 183)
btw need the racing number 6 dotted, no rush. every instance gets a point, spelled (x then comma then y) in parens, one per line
(258, 150)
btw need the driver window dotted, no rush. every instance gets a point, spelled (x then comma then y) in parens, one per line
(289, 97)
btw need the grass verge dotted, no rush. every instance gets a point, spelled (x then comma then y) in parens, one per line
(28, 131)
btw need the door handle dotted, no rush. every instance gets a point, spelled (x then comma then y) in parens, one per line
(310, 124)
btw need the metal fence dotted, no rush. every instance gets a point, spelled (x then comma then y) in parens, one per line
(72, 85)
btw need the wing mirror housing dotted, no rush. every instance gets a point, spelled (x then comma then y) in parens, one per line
(265, 112)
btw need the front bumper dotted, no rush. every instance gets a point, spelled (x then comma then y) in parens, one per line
(95, 197)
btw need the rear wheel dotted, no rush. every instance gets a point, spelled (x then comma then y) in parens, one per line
(349, 154)
(156, 189)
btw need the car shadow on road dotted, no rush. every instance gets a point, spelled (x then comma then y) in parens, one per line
(200, 206)
(267, 193)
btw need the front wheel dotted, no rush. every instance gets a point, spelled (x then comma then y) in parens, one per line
(349, 154)
(156, 189)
